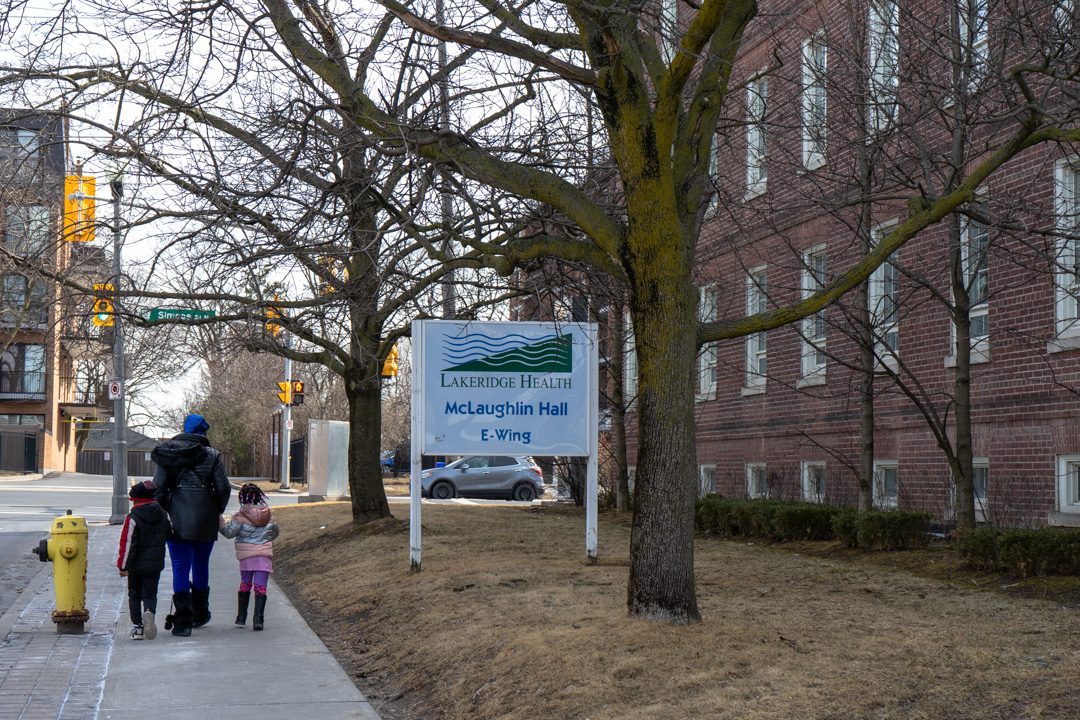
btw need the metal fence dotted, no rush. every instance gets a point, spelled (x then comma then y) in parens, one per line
(21, 449)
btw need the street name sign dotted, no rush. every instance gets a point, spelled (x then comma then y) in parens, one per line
(160, 314)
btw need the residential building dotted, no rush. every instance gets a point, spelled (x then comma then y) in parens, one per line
(51, 359)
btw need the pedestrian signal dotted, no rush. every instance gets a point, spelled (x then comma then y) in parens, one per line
(390, 366)
(297, 392)
(285, 396)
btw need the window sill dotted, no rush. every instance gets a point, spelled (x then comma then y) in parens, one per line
(754, 192)
(706, 396)
(978, 357)
(1069, 518)
(753, 390)
(811, 164)
(887, 365)
(814, 378)
(1065, 341)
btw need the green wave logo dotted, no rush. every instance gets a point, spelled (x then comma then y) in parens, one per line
(477, 352)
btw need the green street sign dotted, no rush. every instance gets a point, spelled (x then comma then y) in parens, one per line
(159, 314)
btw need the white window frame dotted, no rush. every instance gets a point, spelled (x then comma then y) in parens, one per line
(885, 324)
(756, 489)
(973, 32)
(881, 500)
(813, 491)
(1067, 277)
(29, 142)
(631, 476)
(630, 361)
(709, 356)
(883, 46)
(977, 311)
(815, 102)
(714, 170)
(982, 501)
(757, 105)
(706, 479)
(757, 343)
(814, 330)
(669, 25)
(1068, 485)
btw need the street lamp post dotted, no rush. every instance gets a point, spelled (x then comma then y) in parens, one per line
(119, 463)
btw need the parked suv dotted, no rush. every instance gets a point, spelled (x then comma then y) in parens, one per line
(485, 476)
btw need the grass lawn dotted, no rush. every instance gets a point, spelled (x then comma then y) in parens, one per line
(506, 620)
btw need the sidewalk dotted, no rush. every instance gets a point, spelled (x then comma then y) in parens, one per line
(282, 672)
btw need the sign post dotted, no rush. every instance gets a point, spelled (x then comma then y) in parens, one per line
(504, 388)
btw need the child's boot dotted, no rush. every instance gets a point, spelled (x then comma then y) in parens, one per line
(242, 599)
(260, 606)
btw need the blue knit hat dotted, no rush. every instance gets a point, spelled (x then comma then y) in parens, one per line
(196, 424)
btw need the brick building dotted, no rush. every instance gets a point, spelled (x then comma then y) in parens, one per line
(50, 366)
(840, 114)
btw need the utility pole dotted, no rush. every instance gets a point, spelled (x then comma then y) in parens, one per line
(286, 417)
(119, 463)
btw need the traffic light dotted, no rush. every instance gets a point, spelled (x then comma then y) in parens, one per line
(297, 392)
(390, 366)
(103, 307)
(285, 396)
(79, 208)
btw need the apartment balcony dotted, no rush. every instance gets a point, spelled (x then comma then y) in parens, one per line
(87, 400)
(15, 385)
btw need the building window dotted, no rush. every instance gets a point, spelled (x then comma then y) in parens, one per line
(757, 173)
(22, 302)
(886, 484)
(813, 481)
(1068, 494)
(973, 33)
(714, 169)
(631, 476)
(22, 369)
(813, 327)
(883, 43)
(755, 344)
(669, 30)
(22, 419)
(974, 242)
(1063, 18)
(980, 480)
(1067, 209)
(814, 102)
(756, 486)
(630, 371)
(707, 480)
(708, 359)
(884, 298)
(27, 230)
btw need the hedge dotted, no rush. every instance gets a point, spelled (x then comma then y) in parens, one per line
(1047, 551)
(782, 521)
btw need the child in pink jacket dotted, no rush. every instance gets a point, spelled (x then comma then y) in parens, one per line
(254, 530)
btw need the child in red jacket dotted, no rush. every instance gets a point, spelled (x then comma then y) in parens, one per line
(142, 557)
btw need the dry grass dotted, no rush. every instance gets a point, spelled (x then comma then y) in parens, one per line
(506, 621)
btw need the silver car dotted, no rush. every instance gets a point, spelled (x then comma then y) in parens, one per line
(485, 476)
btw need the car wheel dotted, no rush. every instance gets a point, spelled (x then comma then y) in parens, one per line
(525, 492)
(442, 491)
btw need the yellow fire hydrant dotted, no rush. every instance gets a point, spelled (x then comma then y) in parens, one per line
(66, 547)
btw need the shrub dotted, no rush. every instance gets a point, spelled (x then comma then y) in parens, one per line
(845, 528)
(804, 521)
(1047, 551)
(893, 530)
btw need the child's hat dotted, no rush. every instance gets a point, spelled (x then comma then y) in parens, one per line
(142, 490)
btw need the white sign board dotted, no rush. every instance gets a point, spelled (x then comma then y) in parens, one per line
(115, 388)
(514, 388)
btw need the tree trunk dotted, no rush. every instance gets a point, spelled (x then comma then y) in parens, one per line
(365, 419)
(664, 310)
(866, 401)
(961, 466)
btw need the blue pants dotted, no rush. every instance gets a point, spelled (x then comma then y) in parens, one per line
(190, 564)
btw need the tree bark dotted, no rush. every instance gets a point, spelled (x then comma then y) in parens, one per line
(362, 387)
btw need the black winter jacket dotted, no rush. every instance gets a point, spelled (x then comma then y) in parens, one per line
(142, 539)
(191, 485)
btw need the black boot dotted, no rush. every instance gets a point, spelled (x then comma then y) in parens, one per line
(242, 606)
(182, 615)
(260, 606)
(200, 606)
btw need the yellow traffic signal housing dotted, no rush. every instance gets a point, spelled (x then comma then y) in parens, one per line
(297, 392)
(79, 208)
(103, 307)
(272, 327)
(390, 366)
(285, 396)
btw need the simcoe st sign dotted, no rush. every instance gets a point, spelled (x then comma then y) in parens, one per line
(504, 388)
